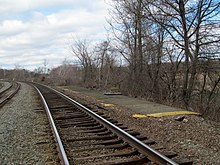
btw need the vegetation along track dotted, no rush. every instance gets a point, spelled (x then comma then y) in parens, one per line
(9, 92)
(86, 136)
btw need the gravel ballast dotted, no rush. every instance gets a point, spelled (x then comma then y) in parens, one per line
(23, 131)
(194, 137)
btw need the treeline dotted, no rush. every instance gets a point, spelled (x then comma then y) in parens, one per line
(166, 51)
(19, 74)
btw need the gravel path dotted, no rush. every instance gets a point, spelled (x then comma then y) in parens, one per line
(23, 131)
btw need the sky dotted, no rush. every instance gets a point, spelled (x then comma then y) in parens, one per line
(35, 31)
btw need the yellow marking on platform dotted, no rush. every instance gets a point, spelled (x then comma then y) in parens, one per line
(165, 114)
(107, 105)
(139, 116)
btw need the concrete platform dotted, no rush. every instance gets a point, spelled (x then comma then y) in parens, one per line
(138, 106)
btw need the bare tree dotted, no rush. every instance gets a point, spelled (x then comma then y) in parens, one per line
(128, 26)
(106, 64)
(80, 49)
(140, 42)
(65, 74)
(190, 25)
(45, 64)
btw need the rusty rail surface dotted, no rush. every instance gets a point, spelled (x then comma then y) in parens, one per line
(71, 117)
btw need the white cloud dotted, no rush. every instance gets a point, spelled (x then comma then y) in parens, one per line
(38, 29)
(12, 27)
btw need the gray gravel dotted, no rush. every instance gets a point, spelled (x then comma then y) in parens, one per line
(24, 131)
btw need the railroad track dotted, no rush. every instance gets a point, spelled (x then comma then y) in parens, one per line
(86, 136)
(8, 92)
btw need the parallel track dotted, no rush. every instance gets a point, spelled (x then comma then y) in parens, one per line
(8, 93)
(85, 136)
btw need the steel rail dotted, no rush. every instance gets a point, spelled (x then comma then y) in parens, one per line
(6, 89)
(4, 100)
(146, 150)
(63, 156)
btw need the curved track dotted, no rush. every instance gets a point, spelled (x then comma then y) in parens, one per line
(85, 136)
(8, 92)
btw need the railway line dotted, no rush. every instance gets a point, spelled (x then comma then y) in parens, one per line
(8, 92)
(87, 136)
